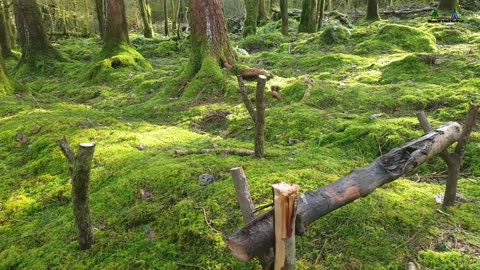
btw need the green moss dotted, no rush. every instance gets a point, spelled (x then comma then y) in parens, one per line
(155, 48)
(395, 37)
(334, 34)
(447, 260)
(408, 68)
(262, 42)
(447, 35)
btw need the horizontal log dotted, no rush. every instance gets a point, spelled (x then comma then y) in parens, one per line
(258, 235)
(226, 151)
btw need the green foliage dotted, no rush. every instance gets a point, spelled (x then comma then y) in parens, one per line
(397, 38)
(447, 260)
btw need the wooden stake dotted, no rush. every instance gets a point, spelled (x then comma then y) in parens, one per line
(285, 212)
(79, 167)
(260, 123)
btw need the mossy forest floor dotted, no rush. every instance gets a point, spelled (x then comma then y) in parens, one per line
(331, 82)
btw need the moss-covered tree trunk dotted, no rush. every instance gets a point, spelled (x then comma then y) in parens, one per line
(5, 42)
(146, 13)
(262, 11)
(31, 34)
(321, 14)
(446, 7)
(209, 36)
(116, 28)
(165, 15)
(180, 16)
(308, 22)
(251, 14)
(100, 10)
(372, 11)
(5, 85)
(284, 12)
(9, 23)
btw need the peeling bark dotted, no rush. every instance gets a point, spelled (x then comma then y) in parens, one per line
(258, 235)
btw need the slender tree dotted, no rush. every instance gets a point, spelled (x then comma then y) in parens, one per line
(180, 16)
(372, 11)
(146, 14)
(321, 13)
(308, 22)
(284, 12)
(165, 15)
(251, 14)
(5, 42)
(9, 23)
(31, 34)
(116, 28)
(100, 10)
(209, 36)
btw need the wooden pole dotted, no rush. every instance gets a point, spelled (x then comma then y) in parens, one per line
(259, 235)
(260, 119)
(79, 167)
(248, 207)
(284, 216)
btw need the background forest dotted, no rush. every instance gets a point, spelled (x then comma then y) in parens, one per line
(344, 84)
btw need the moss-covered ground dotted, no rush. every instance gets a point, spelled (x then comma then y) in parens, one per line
(332, 83)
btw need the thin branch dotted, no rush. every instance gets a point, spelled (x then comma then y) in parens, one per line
(469, 125)
(208, 222)
(66, 150)
(425, 124)
(245, 99)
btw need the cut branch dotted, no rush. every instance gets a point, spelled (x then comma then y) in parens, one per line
(243, 194)
(258, 235)
(260, 118)
(246, 101)
(226, 151)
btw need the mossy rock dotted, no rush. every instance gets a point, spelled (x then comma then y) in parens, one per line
(109, 60)
(398, 38)
(335, 34)
(262, 42)
(409, 68)
(446, 35)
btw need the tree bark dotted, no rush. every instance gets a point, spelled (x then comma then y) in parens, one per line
(284, 13)
(5, 42)
(79, 167)
(308, 22)
(180, 17)
(262, 12)
(146, 12)
(321, 14)
(5, 85)
(100, 10)
(372, 11)
(165, 15)
(258, 235)
(32, 36)
(243, 194)
(116, 28)
(209, 36)
(9, 23)
(260, 117)
(251, 14)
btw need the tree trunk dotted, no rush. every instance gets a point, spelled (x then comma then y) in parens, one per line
(116, 29)
(321, 14)
(262, 12)
(446, 7)
(174, 4)
(86, 21)
(180, 17)
(308, 22)
(32, 36)
(79, 167)
(5, 85)
(145, 12)
(100, 10)
(260, 117)
(259, 236)
(209, 36)
(284, 12)
(9, 24)
(165, 15)
(372, 11)
(5, 42)
(251, 13)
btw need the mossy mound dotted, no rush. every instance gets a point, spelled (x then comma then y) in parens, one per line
(155, 47)
(410, 67)
(447, 35)
(262, 41)
(120, 57)
(275, 27)
(335, 34)
(397, 38)
(447, 260)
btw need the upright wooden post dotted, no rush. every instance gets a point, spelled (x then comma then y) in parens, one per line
(79, 167)
(284, 215)
(260, 123)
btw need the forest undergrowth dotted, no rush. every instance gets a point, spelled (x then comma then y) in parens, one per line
(349, 95)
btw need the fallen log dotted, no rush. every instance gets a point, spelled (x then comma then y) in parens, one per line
(258, 235)
(226, 151)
